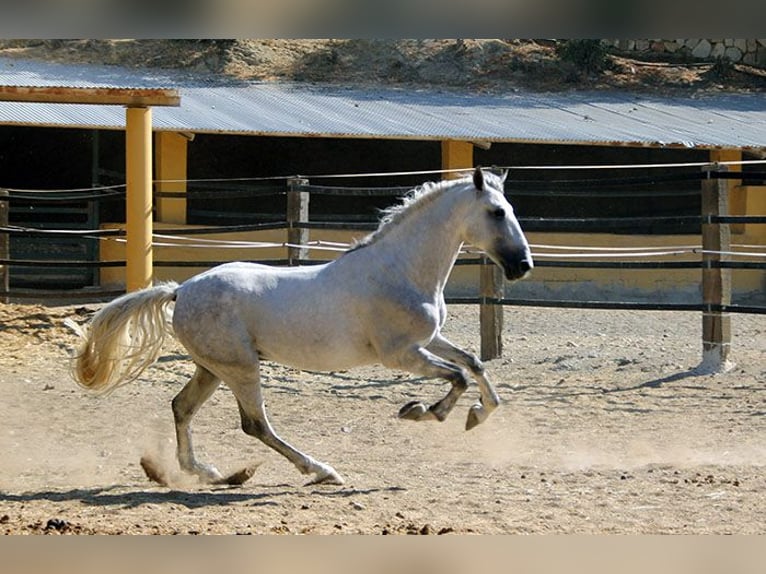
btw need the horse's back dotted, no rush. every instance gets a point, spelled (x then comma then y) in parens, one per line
(296, 316)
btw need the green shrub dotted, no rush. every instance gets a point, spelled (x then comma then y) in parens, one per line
(588, 56)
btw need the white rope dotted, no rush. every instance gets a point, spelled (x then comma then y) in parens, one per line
(640, 165)
(74, 189)
(611, 255)
(741, 253)
(469, 170)
(200, 243)
(592, 248)
(591, 251)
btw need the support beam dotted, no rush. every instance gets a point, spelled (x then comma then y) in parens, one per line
(102, 96)
(456, 155)
(138, 209)
(171, 165)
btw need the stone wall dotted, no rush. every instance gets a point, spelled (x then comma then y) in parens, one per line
(750, 51)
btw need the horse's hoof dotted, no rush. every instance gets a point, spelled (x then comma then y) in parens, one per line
(472, 420)
(477, 414)
(238, 478)
(327, 476)
(413, 411)
(154, 471)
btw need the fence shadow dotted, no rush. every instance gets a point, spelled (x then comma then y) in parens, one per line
(656, 383)
(116, 496)
(106, 496)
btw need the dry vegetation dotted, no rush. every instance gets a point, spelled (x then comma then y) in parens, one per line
(479, 65)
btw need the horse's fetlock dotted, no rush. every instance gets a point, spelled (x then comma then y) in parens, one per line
(459, 380)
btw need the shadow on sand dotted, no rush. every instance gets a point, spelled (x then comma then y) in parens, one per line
(133, 497)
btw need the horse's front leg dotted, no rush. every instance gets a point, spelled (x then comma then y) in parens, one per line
(421, 361)
(489, 400)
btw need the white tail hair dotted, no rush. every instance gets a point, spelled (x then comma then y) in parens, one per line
(124, 338)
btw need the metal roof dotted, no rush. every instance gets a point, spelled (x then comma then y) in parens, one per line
(215, 105)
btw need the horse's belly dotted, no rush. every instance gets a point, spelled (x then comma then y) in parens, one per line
(313, 352)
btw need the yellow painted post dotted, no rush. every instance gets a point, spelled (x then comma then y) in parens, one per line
(755, 204)
(456, 155)
(138, 208)
(170, 161)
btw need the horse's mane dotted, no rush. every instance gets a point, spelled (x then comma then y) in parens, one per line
(415, 200)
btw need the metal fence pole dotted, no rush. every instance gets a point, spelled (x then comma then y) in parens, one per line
(297, 212)
(5, 250)
(716, 282)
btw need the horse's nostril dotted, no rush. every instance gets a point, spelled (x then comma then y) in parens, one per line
(526, 265)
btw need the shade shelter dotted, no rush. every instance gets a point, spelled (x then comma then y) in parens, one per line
(138, 160)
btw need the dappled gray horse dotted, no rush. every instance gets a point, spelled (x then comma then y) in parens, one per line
(380, 302)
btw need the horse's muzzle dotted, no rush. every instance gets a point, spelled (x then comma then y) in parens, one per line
(515, 265)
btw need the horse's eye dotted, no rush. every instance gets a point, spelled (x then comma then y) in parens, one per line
(499, 213)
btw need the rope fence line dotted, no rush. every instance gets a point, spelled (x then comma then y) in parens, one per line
(510, 168)
(467, 171)
(170, 240)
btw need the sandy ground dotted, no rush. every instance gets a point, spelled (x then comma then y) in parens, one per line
(603, 429)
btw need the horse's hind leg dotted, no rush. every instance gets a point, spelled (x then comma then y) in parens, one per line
(185, 404)
(489, 400)
(246, 386)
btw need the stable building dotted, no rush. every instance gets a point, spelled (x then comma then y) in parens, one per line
(220, 138)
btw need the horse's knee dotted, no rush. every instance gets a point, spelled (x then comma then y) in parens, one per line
(476, 366)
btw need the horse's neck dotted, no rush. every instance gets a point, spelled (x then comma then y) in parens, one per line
(425, 243)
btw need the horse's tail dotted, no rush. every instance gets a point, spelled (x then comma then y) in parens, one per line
(124, 338)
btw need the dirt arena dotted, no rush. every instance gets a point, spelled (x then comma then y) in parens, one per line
(604, 428)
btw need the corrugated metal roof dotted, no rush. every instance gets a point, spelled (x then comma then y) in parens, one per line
(213, 105)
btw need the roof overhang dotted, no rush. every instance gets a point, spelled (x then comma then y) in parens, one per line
(71, 95)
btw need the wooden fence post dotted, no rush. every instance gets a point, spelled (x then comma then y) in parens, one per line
(491, 286)
(716, 282)
(297, 212)
(5, 249)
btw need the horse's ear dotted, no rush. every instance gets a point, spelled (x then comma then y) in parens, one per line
(503, 175)
(478, 178)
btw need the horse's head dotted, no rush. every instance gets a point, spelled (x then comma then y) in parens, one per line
(492, 227)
